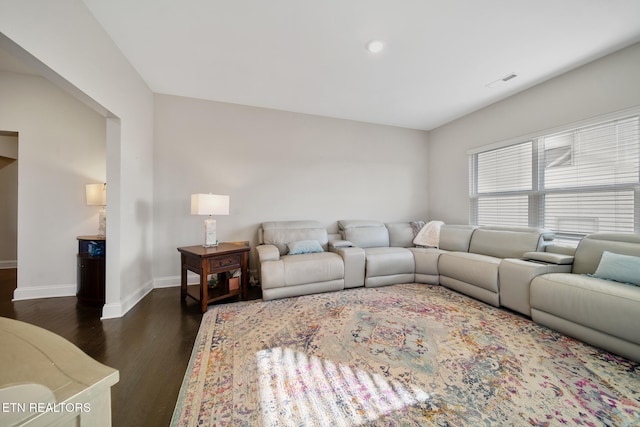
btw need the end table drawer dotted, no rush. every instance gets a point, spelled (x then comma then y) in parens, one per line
(229, 261)
(192, 263)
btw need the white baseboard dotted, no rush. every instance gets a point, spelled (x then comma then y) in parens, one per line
(173, 281)
(9, 264)
(119, 309)
(35, 292)
(112, 311)
(109, 311)
(166, 282)
(192, 279)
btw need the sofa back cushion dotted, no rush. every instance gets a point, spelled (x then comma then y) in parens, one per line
(508, 242)
(591, 247)
(364, 233)
(279, 233)
(400, 234)
(456, 238)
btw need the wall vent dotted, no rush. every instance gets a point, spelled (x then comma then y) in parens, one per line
(502, 80)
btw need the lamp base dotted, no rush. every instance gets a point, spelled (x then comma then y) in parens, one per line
(102, 221)
(210, 238)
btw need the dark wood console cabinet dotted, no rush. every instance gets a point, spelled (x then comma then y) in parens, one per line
(91, 268)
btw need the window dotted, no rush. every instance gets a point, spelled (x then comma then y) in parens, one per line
(574, 181)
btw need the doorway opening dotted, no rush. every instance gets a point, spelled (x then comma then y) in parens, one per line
(8, 214)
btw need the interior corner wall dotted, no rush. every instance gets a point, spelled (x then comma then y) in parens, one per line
(80, 55)
(606, 85)
(8, 201)
(61, 147)
(8, 214)
(276, 165)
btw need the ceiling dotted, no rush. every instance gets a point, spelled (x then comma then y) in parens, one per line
(309, 56)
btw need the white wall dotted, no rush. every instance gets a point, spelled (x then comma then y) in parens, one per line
(276, 165)
(61, 147)
(65, 37)
(603, 86)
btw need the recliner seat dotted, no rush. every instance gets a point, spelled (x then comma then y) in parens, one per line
(284, 275)
(384, 264)
(476, 272)
(601, 312)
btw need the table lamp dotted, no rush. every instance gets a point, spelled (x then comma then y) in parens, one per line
(97, 196)
(209, 204)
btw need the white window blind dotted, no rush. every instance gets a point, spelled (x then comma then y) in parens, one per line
(500, 184)
(505, 169)
(601, 155)
(505, 210)
(575, 181)
(587, 212)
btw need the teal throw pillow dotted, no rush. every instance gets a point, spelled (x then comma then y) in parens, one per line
(618, 267)
(304, 247)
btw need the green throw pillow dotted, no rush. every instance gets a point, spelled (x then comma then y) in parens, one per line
(618, 267)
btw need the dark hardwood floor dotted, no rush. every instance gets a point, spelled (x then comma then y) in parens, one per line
(150, 345)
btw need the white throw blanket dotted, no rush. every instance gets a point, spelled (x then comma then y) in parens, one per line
(429, 235)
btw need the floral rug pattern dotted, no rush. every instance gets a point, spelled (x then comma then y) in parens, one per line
(402, 355)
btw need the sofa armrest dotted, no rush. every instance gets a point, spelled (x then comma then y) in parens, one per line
(336, 244)
(267, 253)
(559, 248)
(354, 262)
(515, 280)
(549, 258)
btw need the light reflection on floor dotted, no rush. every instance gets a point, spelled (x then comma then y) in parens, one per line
(298, 390)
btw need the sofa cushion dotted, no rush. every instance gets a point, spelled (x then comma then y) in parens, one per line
(400, 234)
(279, 233)
(456, 238)
(476, 269)
(603, 305)
(365, 233)
(304, 247)
(310, 268)
(503, 242)
(426, 260)
(590, 249)
(621, 268)
(388, 261)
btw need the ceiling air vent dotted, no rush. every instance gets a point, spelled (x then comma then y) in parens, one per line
(502, 80)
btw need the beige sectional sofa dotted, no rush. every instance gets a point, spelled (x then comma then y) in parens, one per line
(602, 312)
(387, 259)
(372, 253)
(453, 238)
(283, 275)
(514, 267)
(476, 272)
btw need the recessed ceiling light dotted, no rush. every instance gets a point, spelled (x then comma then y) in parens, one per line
(375, 46)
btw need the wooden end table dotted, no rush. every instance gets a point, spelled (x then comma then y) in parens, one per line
(223, 258)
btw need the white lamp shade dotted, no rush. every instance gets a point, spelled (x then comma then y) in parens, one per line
(96, 194)
(209, 204)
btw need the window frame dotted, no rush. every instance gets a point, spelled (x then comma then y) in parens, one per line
(536, 195)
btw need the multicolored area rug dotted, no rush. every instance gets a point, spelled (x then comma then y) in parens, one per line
(402, 355)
